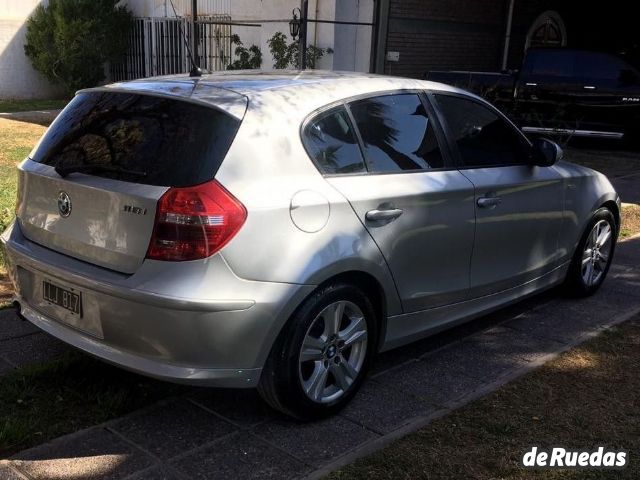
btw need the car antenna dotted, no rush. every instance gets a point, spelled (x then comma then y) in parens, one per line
(196, 71)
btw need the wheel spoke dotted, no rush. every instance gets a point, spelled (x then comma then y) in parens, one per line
(594, 236)
(356, 332)
(340, 374)
(587, 272)
(349, 370)
(592, 273)
(332, 318)
(604, 236)
(317, 382)
(311, 349)
(602, 263)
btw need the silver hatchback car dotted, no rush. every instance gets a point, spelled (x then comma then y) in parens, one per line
(277, 230)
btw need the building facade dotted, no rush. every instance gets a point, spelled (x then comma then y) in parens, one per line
(415, 36)
(404, 37)
(18, 79)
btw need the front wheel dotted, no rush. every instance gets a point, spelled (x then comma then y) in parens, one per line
(593, 256)
(321, 357)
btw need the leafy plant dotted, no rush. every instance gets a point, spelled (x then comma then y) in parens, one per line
(69, 41)
(286, 54)
(248, 58)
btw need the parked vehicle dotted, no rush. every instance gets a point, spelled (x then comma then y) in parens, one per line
(277, 230)
(562, 92)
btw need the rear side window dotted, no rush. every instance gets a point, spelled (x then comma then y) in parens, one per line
(397, 133)
(139, 138)
(332, 144)
(483, 138)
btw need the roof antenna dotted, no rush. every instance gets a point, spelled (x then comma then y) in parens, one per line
(196, 71)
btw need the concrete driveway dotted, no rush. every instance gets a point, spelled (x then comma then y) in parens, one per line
(232, 434)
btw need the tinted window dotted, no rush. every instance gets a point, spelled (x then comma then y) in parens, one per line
(159, 141)
(599, 66)
(483, 137)
(397, 133)
(550, 63)
(332, 144)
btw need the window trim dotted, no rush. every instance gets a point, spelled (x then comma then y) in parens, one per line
(455, 151)
(328, 111)
(443, 143)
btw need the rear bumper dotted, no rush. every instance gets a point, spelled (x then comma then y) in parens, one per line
(187, 322)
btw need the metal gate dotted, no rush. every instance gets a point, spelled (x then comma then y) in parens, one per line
(160, 46)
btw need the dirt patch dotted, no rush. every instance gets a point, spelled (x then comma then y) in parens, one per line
(630, 221)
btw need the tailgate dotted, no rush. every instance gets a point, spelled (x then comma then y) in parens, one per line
(90, 188)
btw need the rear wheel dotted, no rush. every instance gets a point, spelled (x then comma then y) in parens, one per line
(321, 357)
(593, 256)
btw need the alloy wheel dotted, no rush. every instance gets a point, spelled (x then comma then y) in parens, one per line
(597, 251)
(333, 351)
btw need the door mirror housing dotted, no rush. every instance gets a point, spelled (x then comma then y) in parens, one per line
(545, 153)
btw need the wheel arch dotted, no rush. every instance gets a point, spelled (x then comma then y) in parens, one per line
(373, 289)
(615, 209)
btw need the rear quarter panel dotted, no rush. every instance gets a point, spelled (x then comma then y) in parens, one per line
(267, 168)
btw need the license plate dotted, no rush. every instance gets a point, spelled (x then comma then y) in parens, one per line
(62, 297)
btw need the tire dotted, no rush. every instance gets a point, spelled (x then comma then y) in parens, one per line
(585, 279)
(309, 387)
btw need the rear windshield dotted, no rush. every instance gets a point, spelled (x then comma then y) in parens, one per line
(138, 138)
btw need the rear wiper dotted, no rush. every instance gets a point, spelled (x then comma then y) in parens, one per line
(64, 171)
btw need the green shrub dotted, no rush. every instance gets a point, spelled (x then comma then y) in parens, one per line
(286, 54)
(69, 41)
(248, 58)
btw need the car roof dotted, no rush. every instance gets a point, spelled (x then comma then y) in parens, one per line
(232, 91)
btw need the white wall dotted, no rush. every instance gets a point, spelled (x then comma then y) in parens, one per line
(163, 8)
(18, 79)
(274, 15)
(351, 43)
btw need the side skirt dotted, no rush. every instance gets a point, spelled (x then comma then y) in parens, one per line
(409, 327)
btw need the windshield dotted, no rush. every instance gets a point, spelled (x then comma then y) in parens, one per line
(138, 138)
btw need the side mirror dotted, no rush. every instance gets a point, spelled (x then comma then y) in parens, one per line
(545, 152)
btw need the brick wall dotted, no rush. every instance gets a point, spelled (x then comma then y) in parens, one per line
(460, 34)
(439, 35)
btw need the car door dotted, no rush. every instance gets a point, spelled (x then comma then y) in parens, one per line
(518, 206)
(607, 93)
(416, 206)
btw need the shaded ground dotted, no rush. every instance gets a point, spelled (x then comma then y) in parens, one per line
(606, 158)
(586, 398)
(44, 401)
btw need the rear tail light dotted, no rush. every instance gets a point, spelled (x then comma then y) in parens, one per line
(195, 222)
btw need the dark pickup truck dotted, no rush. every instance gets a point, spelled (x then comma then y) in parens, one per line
(563, 92)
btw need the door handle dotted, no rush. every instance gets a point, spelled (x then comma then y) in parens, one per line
(589, 87)
(380, 215)
(489, 202)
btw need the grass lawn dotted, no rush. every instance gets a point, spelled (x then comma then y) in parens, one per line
(43, 402)
(9, 106)
(585, 398)
(16, 141)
